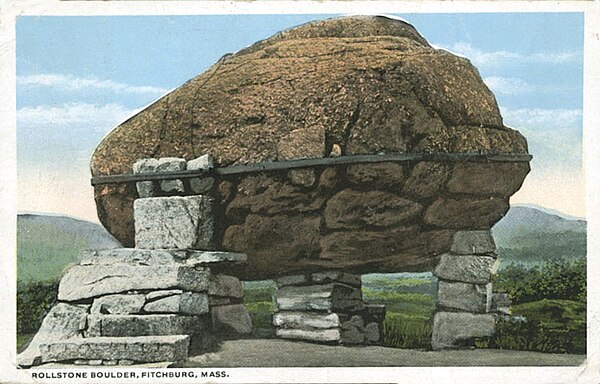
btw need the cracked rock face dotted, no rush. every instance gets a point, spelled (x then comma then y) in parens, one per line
(345, 86)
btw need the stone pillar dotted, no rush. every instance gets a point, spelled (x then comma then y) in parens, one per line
(326, 307)
(464, 300)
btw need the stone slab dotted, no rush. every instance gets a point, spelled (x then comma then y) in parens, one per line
(306, 320)
(118, 304)
(139, 349)
(216, 301)
(353, 330)
(319, 335)
(148, 325)
(171, 164)
(186, 303)
(373, 333)
(291, 280)
(336, 277)
(225, 286)
(464, 296)
(376, 312)
(328, 297)
(81, 282)
(451, 328)
(174, 222)
(160, 256)
(201, 185)
(145, 188)
(473, 243)
(231, 319)
(162, 293)
(63, 321)
(466, 268)
(203, 162)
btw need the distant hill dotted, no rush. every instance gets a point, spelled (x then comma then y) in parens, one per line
(530, 235)
(46, 244)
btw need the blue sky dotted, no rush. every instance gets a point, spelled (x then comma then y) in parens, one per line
(78, 77)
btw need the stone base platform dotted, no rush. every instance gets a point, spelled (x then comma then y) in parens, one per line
(117, 350)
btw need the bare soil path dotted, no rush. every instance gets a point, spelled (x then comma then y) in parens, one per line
(282, 353)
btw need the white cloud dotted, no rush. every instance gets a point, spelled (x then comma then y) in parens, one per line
(68, 82)
(546, 119)
(481, 58)
(91, 115)
(509, 86)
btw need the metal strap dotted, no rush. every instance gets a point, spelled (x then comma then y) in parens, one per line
(315, 162)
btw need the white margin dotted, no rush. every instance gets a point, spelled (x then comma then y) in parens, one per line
(10, 9)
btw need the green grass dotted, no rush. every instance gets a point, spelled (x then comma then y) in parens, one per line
(413, 304)
(261, 313)
(44, 251)
(401, 330)
(258, 299)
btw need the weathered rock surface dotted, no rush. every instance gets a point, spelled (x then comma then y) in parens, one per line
(467, 297)
(319, 335)
(82, 282)
(328, 298)
(146, 325)
(346, 86)
(306, 320)
(187, 303)
(449, 329)
(146, 349)
(473, 243)
(64, 321)
(134, 256)
(231, 319)
(118, 304)
(174, 223)
(225, 286)
(468, 269)
(356, 209)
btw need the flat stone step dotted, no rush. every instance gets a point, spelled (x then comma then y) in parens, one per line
(143, 349)
(87, 281)
(138, 256)
(329, 297)
(145, 325)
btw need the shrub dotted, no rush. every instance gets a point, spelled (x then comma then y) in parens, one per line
(552, 326)
(34, 300)
(555, 279)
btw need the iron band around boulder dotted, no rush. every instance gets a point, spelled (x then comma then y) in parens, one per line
(308, 163)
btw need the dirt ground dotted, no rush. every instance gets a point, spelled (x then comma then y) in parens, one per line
(282, 353)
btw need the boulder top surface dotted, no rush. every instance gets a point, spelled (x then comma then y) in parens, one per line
(370, 84)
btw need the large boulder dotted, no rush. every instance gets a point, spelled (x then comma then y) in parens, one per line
(344, 86)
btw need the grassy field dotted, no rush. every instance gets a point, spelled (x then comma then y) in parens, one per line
(44, 251)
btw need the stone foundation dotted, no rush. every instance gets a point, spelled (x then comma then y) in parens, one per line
(466, 306)
(130, 305)
(326, 307)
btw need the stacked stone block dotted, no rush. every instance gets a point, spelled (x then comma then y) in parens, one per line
(152, 303)
(326, 307)
(154, 188)
(466, 305)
